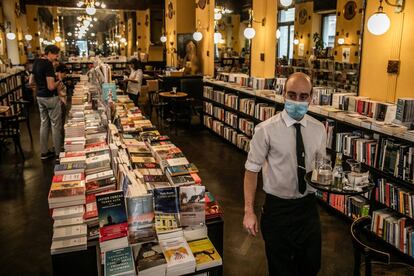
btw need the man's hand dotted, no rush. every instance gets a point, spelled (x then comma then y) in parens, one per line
(250, 223)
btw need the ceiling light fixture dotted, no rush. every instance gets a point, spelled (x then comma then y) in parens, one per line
(28, 37)
(286, 3)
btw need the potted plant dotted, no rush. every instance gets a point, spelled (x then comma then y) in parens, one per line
(317, 39)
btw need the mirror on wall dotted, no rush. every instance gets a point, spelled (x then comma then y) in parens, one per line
(322, 39)
(231, 48)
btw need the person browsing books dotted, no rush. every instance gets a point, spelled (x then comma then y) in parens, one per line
(283, 147)
(43, 76)
(134, 81)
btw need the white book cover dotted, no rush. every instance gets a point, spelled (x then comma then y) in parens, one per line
(63, 244)
(72, 159)
(72, 177)
(100, 175)
(66, 212)
(67, 222)
(177, 252)
(177, 161)
(70, 232)
(99, 158)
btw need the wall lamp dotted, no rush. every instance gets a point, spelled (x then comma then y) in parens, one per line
(379, 22)
(250, 32)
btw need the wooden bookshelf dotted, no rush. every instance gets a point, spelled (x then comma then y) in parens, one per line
(323, 113)
(11, 88)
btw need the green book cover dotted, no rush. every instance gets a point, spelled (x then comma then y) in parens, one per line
(119, 262)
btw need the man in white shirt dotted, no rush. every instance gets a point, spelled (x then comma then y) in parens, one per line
(283, 147)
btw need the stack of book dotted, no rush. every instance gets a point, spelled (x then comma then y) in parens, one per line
(405, 110)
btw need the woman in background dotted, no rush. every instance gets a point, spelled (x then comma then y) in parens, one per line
(134, 81)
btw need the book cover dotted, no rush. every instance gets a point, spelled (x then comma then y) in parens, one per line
(182, 169)
(68, 177)
(166, 200)
(192, 205)
(113, 222)
(150, 256)
(91, 210)
(177, 251)
(66, 190)
(140, 219)
(205, 253)
(119, 262)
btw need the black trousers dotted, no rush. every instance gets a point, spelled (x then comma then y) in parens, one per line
(134, 98)
(292, 234)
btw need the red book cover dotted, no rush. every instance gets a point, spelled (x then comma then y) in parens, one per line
(387, 194)
(73, 154)
(91, 211)
(112, 215)
(196, 178)
(94, 145)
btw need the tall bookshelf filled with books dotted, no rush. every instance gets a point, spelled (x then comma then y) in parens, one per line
(358, 128)
(11, 87)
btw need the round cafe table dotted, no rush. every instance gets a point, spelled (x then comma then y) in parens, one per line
(174, 99)
(173, 95)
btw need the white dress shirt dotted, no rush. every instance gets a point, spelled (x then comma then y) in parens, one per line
(135, 87)
(273, 149)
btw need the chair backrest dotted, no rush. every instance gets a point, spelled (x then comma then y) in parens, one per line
(153, 85)
(193, 87)
(357, 229)
(9, 126)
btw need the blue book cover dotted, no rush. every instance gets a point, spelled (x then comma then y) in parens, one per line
(166, 200)
(106, 87)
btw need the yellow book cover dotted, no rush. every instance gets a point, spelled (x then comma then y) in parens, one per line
(204, 251)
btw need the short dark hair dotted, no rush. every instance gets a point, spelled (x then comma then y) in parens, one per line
(136, 64)
(52, 49)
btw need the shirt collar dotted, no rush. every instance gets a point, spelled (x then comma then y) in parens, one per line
(289, 121)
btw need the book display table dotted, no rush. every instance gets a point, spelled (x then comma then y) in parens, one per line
(87, 262)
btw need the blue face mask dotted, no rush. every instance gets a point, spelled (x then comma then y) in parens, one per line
(296, 110)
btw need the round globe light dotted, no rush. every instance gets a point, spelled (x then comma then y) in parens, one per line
(249, 33)
(90, 10)
(86, 22)
(92, 34)
(45, 42)
(69, 34)
(95, 19)
(97, 3)
(197, 36)
(28, 37)
(58, 39)
(277, 34)
(11, 36)
(296, 41)
(103, 5)
(218, 16)
(217, 37)
(378, 23)
(341, 41)
(163, 39)
(286, 3)
(122, 40)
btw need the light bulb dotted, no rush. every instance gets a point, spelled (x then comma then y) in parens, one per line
(28, 37)
(95, 19)
(341, 41)
(218, 16)
(378, 23)
(163, 39)
(217, 37)
(86, 22)
(90, 10)
(91, 25)
(197, 36)
(122, 40)
(11, 36)
(277, 34)
(97, 3)
(92, 34)
(286, 3)
(41, 40)
(45, 42)
(69, 34)
(249, 33)
(296, 41)
(58, 39)
(103, 5)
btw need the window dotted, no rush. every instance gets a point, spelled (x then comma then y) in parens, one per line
(328, 30)
(286, 23)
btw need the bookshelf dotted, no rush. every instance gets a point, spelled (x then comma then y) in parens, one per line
(350, 207)
(11, 87)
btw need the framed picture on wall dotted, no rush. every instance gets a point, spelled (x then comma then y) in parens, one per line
(182, 40)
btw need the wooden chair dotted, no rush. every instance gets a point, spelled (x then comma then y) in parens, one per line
(154, 100)
(22, 107)
(9, 129)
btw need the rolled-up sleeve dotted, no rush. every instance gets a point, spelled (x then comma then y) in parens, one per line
(259, 147)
